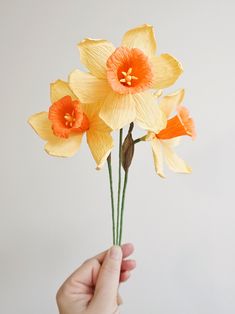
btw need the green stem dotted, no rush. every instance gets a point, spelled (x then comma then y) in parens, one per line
(111, 194)
(139, 139)
(119, 183)
(123, 204)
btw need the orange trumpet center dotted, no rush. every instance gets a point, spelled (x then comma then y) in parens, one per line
(67, 116)
(129, 71)
(179, 125)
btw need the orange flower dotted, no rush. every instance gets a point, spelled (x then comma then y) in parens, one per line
(163, 142)
(121, 76)
(119, 79)
(179, 125)
(67, 117)
(66, 123)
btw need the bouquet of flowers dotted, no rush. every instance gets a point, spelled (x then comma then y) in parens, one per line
(123, 87)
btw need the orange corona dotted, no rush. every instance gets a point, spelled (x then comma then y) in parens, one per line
(181, 124)
(129, 71)
(67, 116)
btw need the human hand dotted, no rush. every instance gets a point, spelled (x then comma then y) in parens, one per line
(93, 287)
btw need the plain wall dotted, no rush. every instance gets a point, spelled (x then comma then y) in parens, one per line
(56, 212)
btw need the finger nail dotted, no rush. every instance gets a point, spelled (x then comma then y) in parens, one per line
(115, 252)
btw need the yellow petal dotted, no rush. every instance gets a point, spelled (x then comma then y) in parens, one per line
(166, 70)
(41, 125)
(91, 110)
(55, 146)
(173, 142)
(60, 147)
(170, 102)
(141, 37)
(158, 157)
(148, 114)
(99, 140)
(174, 162)
(94, 54)
(60, 89)
(87, 87)
(118, 110)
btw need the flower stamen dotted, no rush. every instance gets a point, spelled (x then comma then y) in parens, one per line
(128, 77)
(70, 119)
(67, 117)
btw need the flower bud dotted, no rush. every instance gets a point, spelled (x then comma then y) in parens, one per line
(127, 151)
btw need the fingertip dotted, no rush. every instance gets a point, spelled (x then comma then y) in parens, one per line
(128, 245)
(127, 249)
(115, 253)
(132, 263)
(128, 264)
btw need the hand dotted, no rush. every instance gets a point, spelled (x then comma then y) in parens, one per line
(93, 287)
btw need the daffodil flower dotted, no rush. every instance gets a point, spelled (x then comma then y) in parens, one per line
(163, 142)
(119, 79)
(67, 121)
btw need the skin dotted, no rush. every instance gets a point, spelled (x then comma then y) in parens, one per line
(93, 287)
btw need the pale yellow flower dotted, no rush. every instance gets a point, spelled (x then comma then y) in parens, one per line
(163, 142)
(66, 123)
(119, 79)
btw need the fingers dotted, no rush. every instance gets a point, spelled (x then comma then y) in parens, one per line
(128, 264)
(88, 272)
(83, 279)
(86, 275)
(126, 268)
(125, 276)
(127, 250)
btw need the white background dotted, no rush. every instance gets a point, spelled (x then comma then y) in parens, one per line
(56, 212)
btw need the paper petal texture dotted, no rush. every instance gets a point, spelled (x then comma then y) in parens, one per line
(88, 88)
(59, 89)
(171, 102)
(141, 37)
(158, 157)
(100, 142)
(166, 70)
(118, 110)
(148, 115)
(55, 146)
(174, 162)
(94, 54)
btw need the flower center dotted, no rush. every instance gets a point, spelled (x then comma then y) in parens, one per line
(67, 117)
(127, 77)
(70, 119)
(129, 71)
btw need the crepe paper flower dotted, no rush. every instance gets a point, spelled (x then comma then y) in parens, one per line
(119, 79)
(120, 87)
(66, 122)
(163, 143)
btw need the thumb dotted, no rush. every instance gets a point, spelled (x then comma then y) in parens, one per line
(108, 280)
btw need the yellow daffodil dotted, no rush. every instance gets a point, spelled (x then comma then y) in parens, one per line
(163, 142)
(66, 122)
(119, 79)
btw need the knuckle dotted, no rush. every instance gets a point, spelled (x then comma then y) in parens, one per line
(61, 293)
(86, 261)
